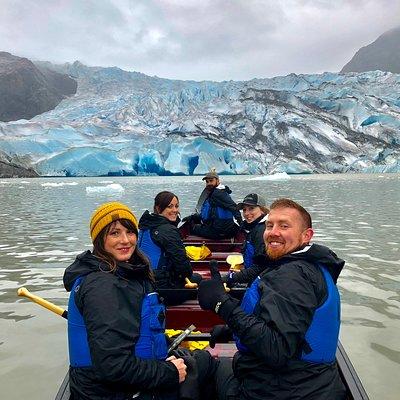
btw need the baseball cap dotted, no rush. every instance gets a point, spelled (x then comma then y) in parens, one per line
(252, 199)
(210, 175)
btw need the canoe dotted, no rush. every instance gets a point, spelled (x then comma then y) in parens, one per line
(181, 316)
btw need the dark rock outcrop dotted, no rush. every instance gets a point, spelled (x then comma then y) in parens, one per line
(14, 168)
(383, 54)
(26, 90)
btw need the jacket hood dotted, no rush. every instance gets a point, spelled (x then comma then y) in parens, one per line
(150, 220)
(84, 264)
(249, 226)
(87, 263)
(224, 187)
(314, 254)
(319, 254)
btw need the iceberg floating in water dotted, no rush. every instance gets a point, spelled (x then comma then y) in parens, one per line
(58, 184)
(279, 176)
(112, 188)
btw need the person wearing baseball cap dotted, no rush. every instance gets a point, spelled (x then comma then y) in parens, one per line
(255, 214)
(115, 350)
(217, 214)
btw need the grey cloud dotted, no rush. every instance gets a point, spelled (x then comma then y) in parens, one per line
(191, 39)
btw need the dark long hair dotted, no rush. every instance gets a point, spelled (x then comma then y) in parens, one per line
(137, 257)
(162, 201)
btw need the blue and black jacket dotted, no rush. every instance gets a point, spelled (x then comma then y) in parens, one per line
(111, 306)
(283, 344)
(160, 240)
(219, 211)
(321, 338)
(254, 243)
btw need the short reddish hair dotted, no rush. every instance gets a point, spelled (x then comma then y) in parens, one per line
(287, 203)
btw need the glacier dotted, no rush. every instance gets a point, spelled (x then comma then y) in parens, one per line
(127, 123)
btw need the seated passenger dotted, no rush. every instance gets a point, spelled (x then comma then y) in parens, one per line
(160, 241)
(219, 217)
(111, 347)
(287, 326)
(254, 214)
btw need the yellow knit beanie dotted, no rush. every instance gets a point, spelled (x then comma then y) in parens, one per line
(107, 213)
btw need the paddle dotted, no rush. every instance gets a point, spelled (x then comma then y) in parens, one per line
(42, 302)
(189, 284)
(235, 261)
(24, 292)
(180, 338)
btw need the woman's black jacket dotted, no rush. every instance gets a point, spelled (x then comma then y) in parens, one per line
(111, 307)
(166, 236)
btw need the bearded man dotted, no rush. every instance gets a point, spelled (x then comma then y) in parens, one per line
(287, 326)
(218, 215)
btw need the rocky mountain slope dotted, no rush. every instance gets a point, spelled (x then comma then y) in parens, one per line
(13, 168)
(26, 90)
(383, 54)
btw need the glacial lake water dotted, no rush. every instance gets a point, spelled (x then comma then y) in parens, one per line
(44, 224)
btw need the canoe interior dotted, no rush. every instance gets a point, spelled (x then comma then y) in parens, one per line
(181, 316)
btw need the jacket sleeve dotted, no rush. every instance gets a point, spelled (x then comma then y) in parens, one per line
(220, 198)
(285, 311)
(169, 239)
(112, 320)
(257, 239)
(248, 275)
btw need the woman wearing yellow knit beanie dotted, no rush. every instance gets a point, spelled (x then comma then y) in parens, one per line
(117, 345)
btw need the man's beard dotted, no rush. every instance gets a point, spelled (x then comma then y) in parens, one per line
(275, 254)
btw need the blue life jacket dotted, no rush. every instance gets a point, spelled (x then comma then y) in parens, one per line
(152, 343)
(248, 254)
(250, 299)
(148, 247)
(220, 213)
(323, 333)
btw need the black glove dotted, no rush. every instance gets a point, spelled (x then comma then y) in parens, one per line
(211, 293)
(220, 334)
(229, 279)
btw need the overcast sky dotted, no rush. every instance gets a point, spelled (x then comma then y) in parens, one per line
(196, 39)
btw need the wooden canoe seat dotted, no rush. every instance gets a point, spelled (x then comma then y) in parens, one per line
(190, 312)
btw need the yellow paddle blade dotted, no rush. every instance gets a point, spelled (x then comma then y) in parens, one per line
(234, 259)
(197, 253)
(189, 284)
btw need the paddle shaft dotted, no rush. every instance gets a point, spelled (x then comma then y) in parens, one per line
(179, 339)
(42, 302)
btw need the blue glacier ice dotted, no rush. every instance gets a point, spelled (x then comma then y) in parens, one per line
(127, 123)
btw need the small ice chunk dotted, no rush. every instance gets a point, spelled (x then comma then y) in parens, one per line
(112, 188)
